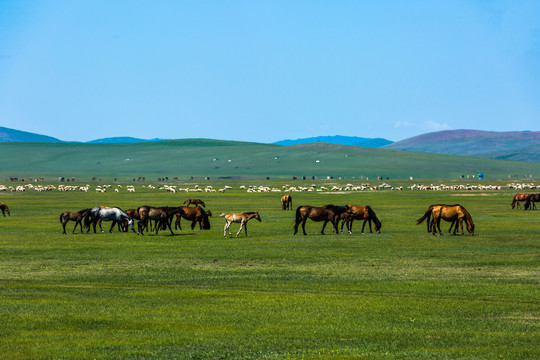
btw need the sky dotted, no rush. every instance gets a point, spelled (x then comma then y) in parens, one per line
(264, 71)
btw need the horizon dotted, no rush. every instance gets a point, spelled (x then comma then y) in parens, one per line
(268, 71)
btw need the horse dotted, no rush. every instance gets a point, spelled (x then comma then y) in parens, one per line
(327, 213)
(4, 209)
(104, 213)
(195, 202)
(286, 202)
(531, 201)
(450, 213)
(429, 222)
(241, 218)
(196, 215)
(362, 213)
(78, 217)
(160, 214)
(519, 197)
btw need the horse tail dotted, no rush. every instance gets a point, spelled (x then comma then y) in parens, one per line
(427, 215)
(205, 222)
(298, 217)
(514, 201)
(61, 216)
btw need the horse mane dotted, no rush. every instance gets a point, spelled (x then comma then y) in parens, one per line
(372, 214)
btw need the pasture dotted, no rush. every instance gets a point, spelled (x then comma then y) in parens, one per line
(197, 295)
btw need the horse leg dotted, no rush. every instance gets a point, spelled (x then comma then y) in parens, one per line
(226, 228)
(239, 230)
(324, 225)
(64, 226)
(193, 223)
(349, 225)
(304, 226)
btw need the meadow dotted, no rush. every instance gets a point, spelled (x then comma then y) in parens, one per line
(197, 295)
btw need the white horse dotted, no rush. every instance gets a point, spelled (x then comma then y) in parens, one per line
(104, 213)
(241, 218)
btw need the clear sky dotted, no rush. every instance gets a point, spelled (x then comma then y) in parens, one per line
(264, 71)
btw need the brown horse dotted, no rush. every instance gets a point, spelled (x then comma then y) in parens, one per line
(429, 222)
(162, 215)
(78, 217)
(362, 213)
(4, 209)
(327, 213)
(196, 215)
(286, 202)
(531, 201)
(519, 197)
(241, 218)
(450, 213)
(195, 202)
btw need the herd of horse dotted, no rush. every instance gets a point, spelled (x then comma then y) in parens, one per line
(160, 218)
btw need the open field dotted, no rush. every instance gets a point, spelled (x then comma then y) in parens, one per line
(201, 158)
(196, 295)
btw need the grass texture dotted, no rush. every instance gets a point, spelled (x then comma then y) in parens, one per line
(197, 295)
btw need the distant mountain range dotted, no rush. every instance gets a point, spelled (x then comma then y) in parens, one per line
(338, 139)
(515, 145)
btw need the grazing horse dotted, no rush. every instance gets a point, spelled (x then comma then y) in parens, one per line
(362, 213)
(78, 217)
(429, 223)
(531, 201)
(519, 197)
(241, 218)
(195, 202)
(104, 213)
(4, 209)
(196, 215)
(162, 215)
(327, 213)
(286, 202)
(450, 213)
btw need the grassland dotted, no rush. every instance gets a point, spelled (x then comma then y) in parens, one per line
(198, 295)
(200, 158)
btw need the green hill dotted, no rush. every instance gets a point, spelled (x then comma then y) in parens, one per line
(200, 158)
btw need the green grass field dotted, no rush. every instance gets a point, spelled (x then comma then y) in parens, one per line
(197, 295)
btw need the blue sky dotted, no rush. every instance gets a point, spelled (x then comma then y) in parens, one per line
(268, 70)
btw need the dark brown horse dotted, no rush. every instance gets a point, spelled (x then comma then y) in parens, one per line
(450, 213)
(362, 213)
(162, 215)
(519, 197)
(4, 209)
(196, 215)
(241, 218)
(531, 201)
(327, 213)
(78, 217)
(286, 202)
(195, 202)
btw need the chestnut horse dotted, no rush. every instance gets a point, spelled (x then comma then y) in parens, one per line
(162, 215)
(327, 213)
(196, 215)
(4, 209)
(450, 213)
(519, 197)
(241, 218)
(195, 202)
(531, 201)
(78, 217)
(362, 213)
(286, 202)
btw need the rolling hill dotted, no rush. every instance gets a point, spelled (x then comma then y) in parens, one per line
(201, 158)
(516, 145)
(8, 135)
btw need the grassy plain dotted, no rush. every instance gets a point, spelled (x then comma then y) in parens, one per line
(198, 295)
(201, 158)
